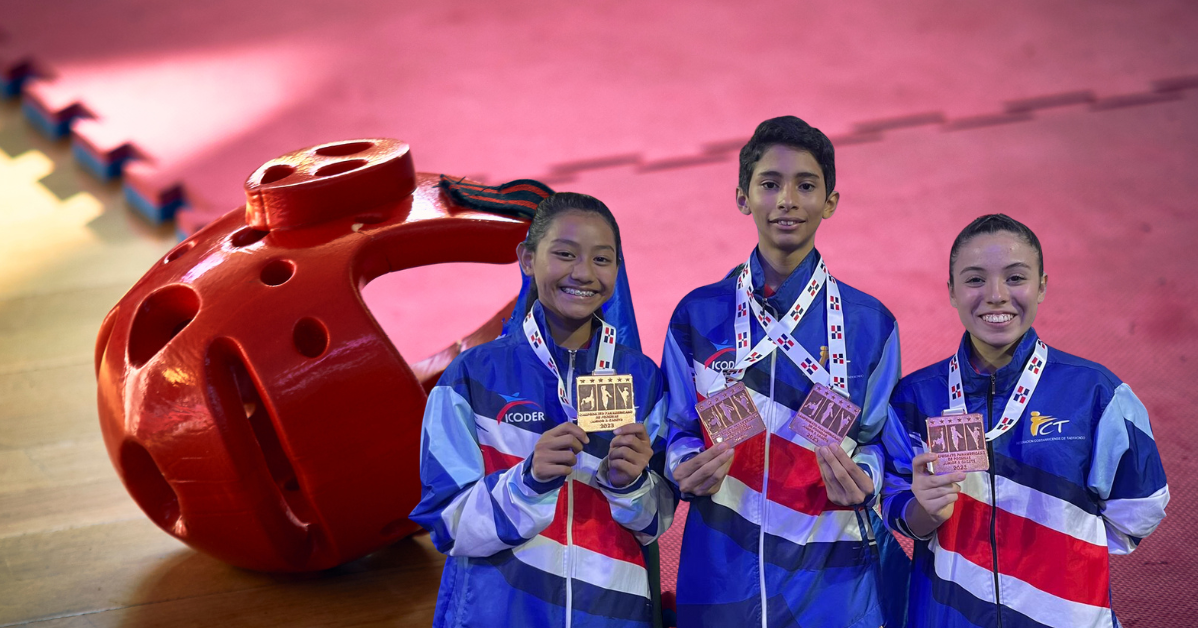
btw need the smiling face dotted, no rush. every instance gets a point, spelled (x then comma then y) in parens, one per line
(574, 269)
(786, 198)
(995, 287)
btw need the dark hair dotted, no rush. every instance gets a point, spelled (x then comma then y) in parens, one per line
(995, 223)
(560, 202)
(792, 132)
(549, 209)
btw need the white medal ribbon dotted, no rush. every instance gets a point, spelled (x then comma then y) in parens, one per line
(1016, 403)
(604, 356)
(779, 333)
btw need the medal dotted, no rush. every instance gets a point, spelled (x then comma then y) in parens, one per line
(958, 441)
(825, 417)
(604, 402)
(827, 384)
(730, 416)
(603, 369)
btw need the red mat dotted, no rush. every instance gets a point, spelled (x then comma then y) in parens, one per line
(1078, 118)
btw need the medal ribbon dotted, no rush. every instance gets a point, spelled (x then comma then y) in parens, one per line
(604, 356)
(1016, 403)
(779, 333)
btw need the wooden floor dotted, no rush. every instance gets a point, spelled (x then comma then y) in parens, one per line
(76, 550)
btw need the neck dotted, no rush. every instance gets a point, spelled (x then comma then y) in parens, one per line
(778, 265)
(568, 334)
(988, 359)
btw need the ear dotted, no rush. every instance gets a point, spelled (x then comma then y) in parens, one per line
(1042, 288)
(743, 201)
(525, 259)
(950, 290)
(830, 206)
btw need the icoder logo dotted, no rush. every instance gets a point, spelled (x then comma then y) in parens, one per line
(722, 360)
(519, 410)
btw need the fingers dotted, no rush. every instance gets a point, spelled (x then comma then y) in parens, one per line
(843, 485)
(690, 466)
(561, 442)
(921, 462)
(548, 464)
(631, 441)
(559, 457)
(840, 460)
(706, 479)
(637, 430)
(568, 428)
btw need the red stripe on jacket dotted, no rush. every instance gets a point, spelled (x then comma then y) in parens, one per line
(1028, 551)
(595, 529)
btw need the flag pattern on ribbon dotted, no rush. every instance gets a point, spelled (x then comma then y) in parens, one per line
(778, 333)
(1034, 365)
(604, 355)
(809, 367)
(1015, 408)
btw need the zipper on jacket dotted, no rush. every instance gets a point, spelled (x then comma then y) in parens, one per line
(762, 519)
(570, 384)
(992, 481)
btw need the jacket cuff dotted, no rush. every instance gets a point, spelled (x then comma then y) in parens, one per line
(539, 487)
(602, 480)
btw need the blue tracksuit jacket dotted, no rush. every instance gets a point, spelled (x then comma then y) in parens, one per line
(1077, 478)
(523, 552)
(769, 549)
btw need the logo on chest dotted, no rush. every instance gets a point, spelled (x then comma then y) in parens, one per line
(520, 411)
(1042, 425)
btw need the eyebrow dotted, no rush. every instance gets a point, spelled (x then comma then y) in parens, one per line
(574, 243)
(1010, 266)
(800, 175)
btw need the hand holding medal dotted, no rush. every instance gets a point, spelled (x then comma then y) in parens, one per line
(702, 474)
(846, 484)
(935, 495)
(628, 454)
(556, 452)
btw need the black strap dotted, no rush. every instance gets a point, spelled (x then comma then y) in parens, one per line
(516, 198)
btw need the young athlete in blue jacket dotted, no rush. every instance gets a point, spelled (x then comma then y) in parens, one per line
(544, 523)
(780, 532)
(1073, 474)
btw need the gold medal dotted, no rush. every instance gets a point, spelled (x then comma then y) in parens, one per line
(730, 416)
(604, 402)
(958, 440)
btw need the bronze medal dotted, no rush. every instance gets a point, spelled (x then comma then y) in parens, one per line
(730, 415)
(825, 417)
(958, 440)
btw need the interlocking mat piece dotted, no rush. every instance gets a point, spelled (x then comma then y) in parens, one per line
(521, 89)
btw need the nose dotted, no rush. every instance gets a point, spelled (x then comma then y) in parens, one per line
(997, 292)
(582, 272)
(788, 198)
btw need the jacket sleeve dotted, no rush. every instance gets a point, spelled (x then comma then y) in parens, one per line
(1127, 474)
(880, 384)
(900, 446)
(647, 506)
(684, 436)
(467, 511)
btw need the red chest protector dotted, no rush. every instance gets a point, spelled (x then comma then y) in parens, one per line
(249, 401)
